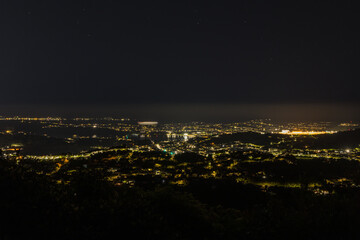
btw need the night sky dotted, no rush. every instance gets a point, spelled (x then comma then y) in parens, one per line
(179, 52)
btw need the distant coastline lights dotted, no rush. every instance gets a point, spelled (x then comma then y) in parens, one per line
(288, 132)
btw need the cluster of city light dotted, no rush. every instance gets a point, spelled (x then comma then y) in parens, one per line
(148, 123)
(306, 132)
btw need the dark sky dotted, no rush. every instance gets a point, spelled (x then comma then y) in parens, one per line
(124, 52)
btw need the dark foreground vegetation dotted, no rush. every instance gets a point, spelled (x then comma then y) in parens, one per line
(36, 206)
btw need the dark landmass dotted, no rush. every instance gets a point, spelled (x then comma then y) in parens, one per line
(247, 137)
(345, 139)
(62, 199)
